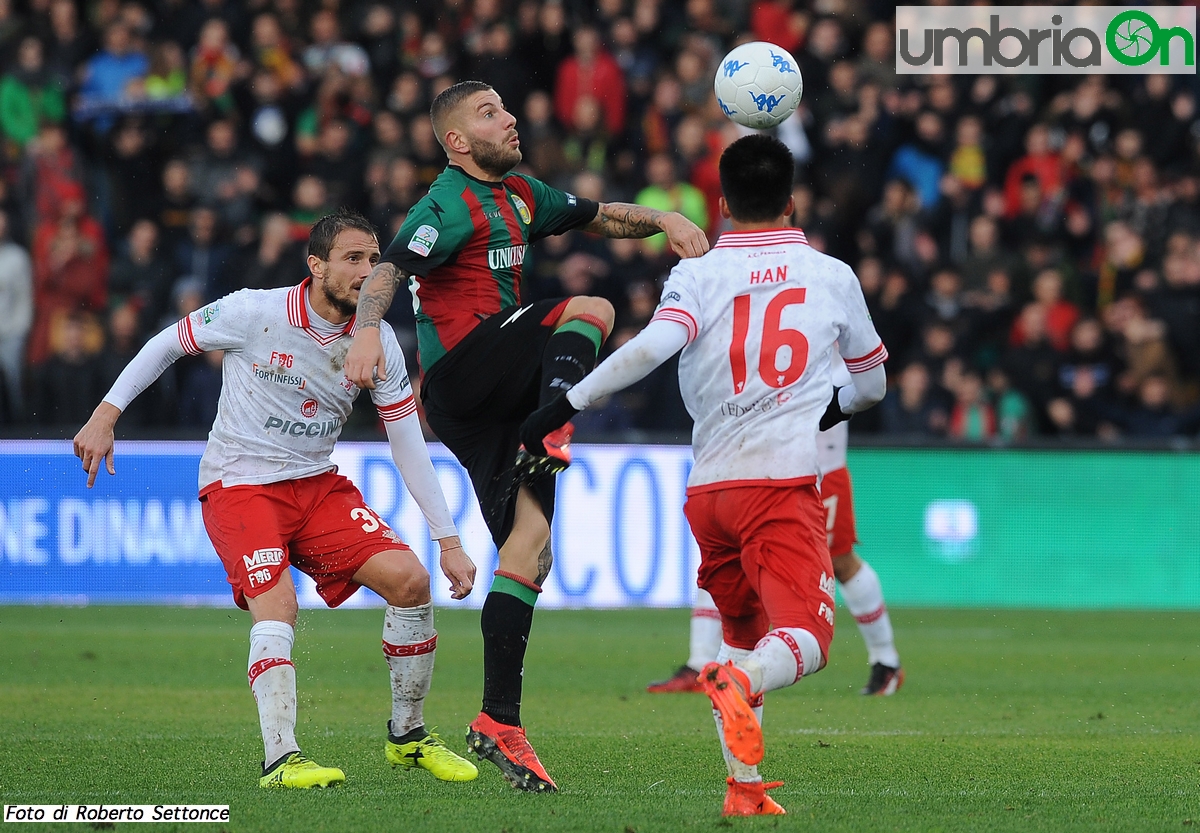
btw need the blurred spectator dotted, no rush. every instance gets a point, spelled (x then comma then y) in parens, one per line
(108, 75)
(30, 96)
(272, 52)
(666, 193)
(70, 270)
(919, 162)
(1039, 162)
(911, 407)
(167, 77)
(204, 255)
(200, 391)
(329, 50)
(1012, 412)
(141, 275)
(66, 387)
(16, 316)
(215, 65)
(173, 209)
(972, 418)
(1058, 315)
(277, 259)
(124, 340)
(590, 71)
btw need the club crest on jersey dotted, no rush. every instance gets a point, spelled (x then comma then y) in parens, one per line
(309, 408)
(423, 240)
(522, 209)
(206, 315)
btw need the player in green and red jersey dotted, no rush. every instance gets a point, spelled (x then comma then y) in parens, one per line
(487, 362)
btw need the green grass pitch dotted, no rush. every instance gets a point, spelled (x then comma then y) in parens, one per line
(1010, 720)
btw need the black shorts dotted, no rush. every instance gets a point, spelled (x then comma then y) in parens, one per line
(478, 394)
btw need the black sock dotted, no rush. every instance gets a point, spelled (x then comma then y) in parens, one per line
(416, 733)
(505, 622)
(570, 355)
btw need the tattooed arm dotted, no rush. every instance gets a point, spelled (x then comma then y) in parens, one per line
(622, 219)
(374, 298)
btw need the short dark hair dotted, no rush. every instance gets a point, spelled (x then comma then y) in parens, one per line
(324, 232)
(449, 99)
(756, 177)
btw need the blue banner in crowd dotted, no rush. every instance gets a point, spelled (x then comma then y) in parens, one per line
(620, 538)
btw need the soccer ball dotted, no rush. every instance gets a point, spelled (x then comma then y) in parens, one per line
(758, 85)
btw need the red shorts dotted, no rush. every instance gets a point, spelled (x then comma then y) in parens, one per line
(838, 498)
(319, 524)
(765, 560)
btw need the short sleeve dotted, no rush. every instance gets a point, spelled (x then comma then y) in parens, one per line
(859, 344)
(553, 211)
(431, 234)
(681, 301)
(393, 397)
(220, 325)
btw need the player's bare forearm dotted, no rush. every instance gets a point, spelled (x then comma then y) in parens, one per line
(377, 293)
(622, 219)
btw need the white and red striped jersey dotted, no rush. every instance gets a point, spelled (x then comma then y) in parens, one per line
(764, 312)
(284, 397)
(831, 444)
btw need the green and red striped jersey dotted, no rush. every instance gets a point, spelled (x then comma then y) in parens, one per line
(463, 245)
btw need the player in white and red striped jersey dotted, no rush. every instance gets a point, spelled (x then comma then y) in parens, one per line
(758, 318)
(861, 589)
(272, 498)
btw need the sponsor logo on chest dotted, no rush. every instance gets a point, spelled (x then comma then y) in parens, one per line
(507, 257)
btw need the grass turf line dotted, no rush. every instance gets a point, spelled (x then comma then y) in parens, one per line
(1010, 720)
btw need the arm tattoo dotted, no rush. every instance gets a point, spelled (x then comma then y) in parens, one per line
(622, 219)
(376, 294)
(545, 562)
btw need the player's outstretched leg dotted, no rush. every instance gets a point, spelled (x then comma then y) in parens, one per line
(409, 645)
(273, 681)
(863, 594)
(704, 643)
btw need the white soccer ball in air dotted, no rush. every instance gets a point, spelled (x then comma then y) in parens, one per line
(758, 85)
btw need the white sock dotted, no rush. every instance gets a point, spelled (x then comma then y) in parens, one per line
(738, 771)
(781, 658)
(273, 681)
(863, 595)
(705, 632)
(409, 643)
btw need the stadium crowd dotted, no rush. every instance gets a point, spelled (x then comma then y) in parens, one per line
(1029, 246)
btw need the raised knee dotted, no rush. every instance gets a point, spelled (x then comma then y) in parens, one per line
(409, 588)
(591, 306)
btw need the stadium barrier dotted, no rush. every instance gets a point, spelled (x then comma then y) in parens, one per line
(1002, 528)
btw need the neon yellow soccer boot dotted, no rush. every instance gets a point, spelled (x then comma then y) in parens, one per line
(430, 754)
(299, 773)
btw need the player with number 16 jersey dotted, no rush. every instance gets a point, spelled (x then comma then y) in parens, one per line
(758, 318)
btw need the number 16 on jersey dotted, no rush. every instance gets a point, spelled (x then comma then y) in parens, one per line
(783, 353)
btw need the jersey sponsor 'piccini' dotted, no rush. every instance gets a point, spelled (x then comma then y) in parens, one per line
(284, 396)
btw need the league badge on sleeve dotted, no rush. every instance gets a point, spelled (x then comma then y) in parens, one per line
(206, 315)
(423, 240)
(522, 209)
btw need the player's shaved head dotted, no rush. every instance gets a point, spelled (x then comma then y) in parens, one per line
(325, 231)
(756, 178)
(447, 104)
